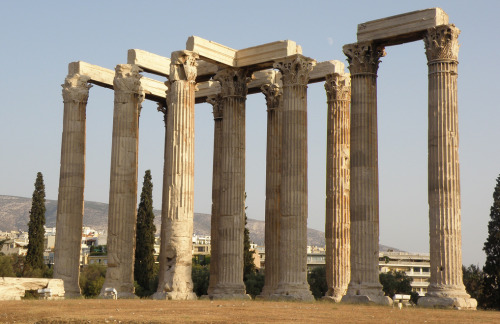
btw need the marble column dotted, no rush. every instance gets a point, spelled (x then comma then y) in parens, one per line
(175, 281)
(337, 224)
(216, 102)
(231, 222)
(364, 286)
(446, 287)
(122, 215)
(71, 184)
(292, 282)
(274, 100)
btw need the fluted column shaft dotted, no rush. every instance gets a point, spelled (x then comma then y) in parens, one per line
(178, 203)
(446, 280)
(122, 214)
(70, 203)
(337, 224)
(216, 102)
(293, 223)
(363, 61)
(274, 99)
(231, 220)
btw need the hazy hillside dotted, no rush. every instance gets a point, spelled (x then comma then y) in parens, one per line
(14, 215)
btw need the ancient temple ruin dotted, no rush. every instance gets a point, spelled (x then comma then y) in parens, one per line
(206, 71)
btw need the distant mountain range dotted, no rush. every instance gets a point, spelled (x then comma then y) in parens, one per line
(14, 215)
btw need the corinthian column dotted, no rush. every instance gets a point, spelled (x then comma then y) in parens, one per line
(274, 99)
(338, 91)
(231, 220)
(216, 102)
(292, 283)
(178, 201)
(364, 286)
(122, 214)
(71, 184)
(446, 287)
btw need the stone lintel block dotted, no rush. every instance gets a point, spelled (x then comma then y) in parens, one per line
(407, 27)
(322, 69)
(363, 299)
(149, 62)
(458, 303)
(256, 57)
(154, 90)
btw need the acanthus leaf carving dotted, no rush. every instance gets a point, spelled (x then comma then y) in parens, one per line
(273, 93)
(76, 89)
(338, 86)
(295, 69)
(363, 57)
(216, 102)
(233, 81)
(183, 66)
(127, 82)
(441, 43)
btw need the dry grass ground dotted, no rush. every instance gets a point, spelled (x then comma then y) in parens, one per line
(150, 311)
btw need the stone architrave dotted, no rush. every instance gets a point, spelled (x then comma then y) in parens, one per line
(71, 184)
(337, 225)
(178, 201)
(364, 286)
(122, 215)
(216, 102)
(292, 282)
(231, 217)
(274, 100)
(446, 287)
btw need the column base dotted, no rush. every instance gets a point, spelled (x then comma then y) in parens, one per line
(364, 299)
(334, 295)
(119, 295)
(366, 293)
(291, 292)
(161, 295)
(333, 299)
(458, 303)
(229, 291)
(452, 297)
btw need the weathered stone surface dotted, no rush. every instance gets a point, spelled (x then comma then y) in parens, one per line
(273, 93)
(292, 283)
(71, 183)
(123, 181)
(363, 61)
(261, 56)
(178, 187)
(149, 62)
(337, 224)
(15, 288)
(446, 287)
(231, 217)
(407, 27)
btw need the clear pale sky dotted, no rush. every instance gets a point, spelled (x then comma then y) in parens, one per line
(40, 38)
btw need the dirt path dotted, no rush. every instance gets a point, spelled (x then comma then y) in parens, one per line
(139, 311)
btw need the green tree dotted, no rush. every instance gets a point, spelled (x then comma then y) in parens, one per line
(92, 279)
(397, 282)
(6, 269)
(473, 281)
(36, 232)
(491, 269)
(145, 238)
(317, 281)
(201, 276)
(248, 254)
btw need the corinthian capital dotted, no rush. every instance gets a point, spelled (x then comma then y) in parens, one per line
(363, 57)
(338, 86)
(295, 69)
(441, 43)
(76, 88)
(216, 102)
(183, 66)
(233, 81)
(273, 93)
(127, 81)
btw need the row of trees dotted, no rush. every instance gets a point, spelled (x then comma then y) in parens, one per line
(483, 285)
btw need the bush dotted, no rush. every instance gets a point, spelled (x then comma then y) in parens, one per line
(92, 279)
(6, 269)
(254, 283)
(201, 277)
(317, 281)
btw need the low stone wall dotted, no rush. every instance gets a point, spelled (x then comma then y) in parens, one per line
(15, 288)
